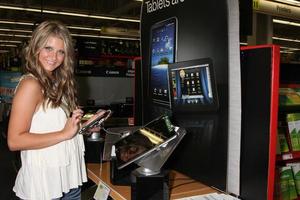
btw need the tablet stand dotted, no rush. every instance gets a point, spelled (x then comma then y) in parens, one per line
(145, 175)
(152, 163)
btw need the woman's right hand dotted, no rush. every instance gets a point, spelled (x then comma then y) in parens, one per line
(73, 124)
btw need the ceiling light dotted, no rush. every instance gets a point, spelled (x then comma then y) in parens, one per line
(69, 13)
(31, 24)
(289, 48)
(287, 52)
(20, 8)
(285, 39)
(84, 28)
(279, 21)
(291, 2)
(105, 37)
(18, 23)
(15, 35)
(8, 45)
(11, 41)
(77, 35)
(15, 30)
(244, 43)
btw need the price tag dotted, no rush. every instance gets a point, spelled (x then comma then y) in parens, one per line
(287, 156)
(102, 192)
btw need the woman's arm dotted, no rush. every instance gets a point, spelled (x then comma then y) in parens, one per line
(27, 98)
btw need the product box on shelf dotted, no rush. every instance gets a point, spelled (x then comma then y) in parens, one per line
(293, 120)
(296, 175)
(289, 96)
(282, 141)
(287, 184)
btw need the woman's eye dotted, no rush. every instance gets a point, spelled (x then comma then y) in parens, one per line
(48, 48)
(61, 52)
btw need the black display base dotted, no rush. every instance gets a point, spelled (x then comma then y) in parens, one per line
(121, 176)
(93, 151)
(152, 187)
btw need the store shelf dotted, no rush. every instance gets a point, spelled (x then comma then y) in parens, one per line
(288, 156)
(289, 108)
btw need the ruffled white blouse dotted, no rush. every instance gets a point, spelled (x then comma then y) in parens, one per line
(48, 172)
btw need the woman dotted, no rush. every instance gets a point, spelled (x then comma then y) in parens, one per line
(40, 123)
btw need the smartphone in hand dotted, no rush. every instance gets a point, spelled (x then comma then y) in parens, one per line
(94, 120)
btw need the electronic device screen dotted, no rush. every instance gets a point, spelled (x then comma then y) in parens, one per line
(193, 86)
(94, 120)
(162, 53)
(143, 141)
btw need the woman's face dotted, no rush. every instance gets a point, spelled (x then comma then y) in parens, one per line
(52, 55)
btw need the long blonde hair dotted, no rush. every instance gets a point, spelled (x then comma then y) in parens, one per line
(60, 86)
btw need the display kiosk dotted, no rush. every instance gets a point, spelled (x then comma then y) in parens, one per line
(138, 158)
(190, 74)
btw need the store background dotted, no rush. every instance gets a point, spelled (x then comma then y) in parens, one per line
(270, 22)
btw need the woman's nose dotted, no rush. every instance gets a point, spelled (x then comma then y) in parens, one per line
(53, 55)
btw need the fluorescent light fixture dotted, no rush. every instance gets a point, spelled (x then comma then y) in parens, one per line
(11, 41)
(243, 43)
(20, 8)
(15, 30)
(77, 35)
(285, 39)
(69, 13)
(279, 21)
(289, 48)
(290, 2)
(286, 52)
(105, 37)
(15, 35)
(4, 51)
(31, 24)
(84, 28)
(18, 23)
(8, 45)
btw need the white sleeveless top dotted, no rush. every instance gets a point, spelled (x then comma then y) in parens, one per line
(48, 172)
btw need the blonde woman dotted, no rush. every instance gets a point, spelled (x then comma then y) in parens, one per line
(41, 125)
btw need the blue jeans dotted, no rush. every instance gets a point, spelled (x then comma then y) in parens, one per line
(73, 194)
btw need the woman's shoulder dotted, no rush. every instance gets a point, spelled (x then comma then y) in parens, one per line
(29, 83)
(28, 76)
(28, 92)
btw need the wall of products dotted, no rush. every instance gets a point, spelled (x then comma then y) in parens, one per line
(110, 58)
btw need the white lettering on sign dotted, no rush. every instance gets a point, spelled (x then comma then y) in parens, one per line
(155, 5)
(282, 9)
(112, 72)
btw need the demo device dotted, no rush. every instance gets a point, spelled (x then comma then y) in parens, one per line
(163, 42)
(193, 86)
